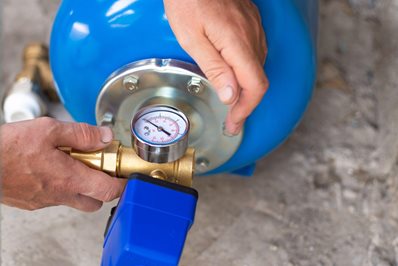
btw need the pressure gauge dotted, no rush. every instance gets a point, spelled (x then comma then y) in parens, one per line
(160, 133)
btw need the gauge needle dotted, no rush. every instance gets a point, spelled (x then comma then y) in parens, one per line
(158, 128)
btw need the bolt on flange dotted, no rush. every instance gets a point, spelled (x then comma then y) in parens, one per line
(130, 83)
(195, 86)
(107, 119)
(202, 164)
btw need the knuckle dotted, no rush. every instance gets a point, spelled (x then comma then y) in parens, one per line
(48, 123)
(46, 120)
(58, 187)
(239, 117)
(255, 11)
(185, 41)
(240, 17)
(265, 53)
(31, 207)
(39, 186)
(261, 87)
(244, 114)
(215, 71)
(67, 186)
(109, 195)
(92, 207)
(231, 36)
(84, 133)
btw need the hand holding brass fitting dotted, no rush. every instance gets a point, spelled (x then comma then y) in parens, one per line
(121, 161)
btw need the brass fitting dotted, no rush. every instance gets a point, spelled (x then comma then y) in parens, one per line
(36, 68)
(33, 87)
(120, 161)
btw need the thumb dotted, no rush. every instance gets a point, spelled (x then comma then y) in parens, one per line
(222, 78)
(217, 71)
(82, 136)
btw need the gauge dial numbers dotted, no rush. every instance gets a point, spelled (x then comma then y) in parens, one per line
(160, 126)
(160, 133)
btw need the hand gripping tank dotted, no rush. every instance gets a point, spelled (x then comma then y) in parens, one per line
(93, 38)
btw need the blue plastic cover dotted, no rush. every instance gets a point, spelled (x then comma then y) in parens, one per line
(150, 224)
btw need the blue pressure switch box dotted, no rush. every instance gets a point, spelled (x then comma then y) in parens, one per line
(150, 223)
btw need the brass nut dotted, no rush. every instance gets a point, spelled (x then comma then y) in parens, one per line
(110, 158)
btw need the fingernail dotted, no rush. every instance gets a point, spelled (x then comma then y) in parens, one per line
(226, 94)
(106, 134)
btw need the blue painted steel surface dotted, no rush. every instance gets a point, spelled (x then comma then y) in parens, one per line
(149, 226)
(93, 38)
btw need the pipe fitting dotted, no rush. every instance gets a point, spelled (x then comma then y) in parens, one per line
(120, 161)
(32, 87)
(37, 69)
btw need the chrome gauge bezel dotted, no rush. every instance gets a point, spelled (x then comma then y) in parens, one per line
(159, 153)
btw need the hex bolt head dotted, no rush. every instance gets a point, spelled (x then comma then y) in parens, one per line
(130, 83)
(107, 119)
(195, 86)
(202, 164)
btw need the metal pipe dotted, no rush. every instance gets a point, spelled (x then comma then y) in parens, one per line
(36, 68)
(33, 86)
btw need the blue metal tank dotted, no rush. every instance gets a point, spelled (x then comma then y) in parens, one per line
(93, 38)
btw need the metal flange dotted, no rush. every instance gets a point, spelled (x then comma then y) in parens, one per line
(173, 83)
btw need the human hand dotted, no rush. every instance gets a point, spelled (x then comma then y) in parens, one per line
(227, 40)
(35, 174)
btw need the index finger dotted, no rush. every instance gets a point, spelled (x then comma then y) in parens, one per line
(251, 77)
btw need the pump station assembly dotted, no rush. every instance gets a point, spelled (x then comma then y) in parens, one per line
(118, 63)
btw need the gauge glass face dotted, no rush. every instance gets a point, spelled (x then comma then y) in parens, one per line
(160, 127)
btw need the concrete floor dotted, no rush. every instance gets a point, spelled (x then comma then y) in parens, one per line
(328, 196)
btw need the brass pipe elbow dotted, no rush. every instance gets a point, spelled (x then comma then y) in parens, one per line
(120, 161)
(32, 88)
(36, 68)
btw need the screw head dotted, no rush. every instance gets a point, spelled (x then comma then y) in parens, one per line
(202, 164)
(130, 83)
(195, 86)
(107, 119)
